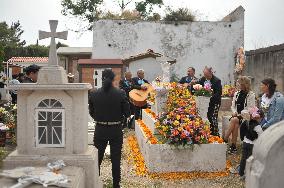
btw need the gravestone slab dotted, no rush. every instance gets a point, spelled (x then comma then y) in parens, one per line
(160, 100)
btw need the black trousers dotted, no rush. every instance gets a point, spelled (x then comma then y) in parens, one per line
(14, 98)
(212, 116)
(246, 153)
(132, 112)
(113, 135)
(138, 111)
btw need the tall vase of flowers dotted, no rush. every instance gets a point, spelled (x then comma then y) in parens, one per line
(202, 95)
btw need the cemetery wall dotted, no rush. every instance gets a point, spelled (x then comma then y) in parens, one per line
(266, 62)
(195, 44)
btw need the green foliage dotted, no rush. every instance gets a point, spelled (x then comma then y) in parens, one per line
(10, 36)
(155, 17)
(145, 8)
(27, 51)
(87, 10)
(182, 14)
(126, 15)
(59, 44)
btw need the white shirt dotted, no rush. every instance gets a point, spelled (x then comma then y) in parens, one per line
(12, 82)
(265, 103)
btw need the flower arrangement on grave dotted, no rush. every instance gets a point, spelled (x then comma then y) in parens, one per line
(148, 134)
(152, 114)
(228, 90)
(8, 116)
(205, 91)
(180, 124)
(151, 98)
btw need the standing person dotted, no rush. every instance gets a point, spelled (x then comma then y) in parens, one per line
(272, 103)
(215, 100)
(189, 79)
(31, 74)
(107, 106)
(243, 99)
(190, 76)
(21, 77)
(250, 130)
(14, 92)
(127, 85)
(138, 84)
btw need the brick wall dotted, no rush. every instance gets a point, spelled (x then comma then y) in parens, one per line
(86, 74)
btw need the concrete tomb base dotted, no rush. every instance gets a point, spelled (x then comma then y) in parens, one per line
(76, 177)
(167, 158)
(87, 161)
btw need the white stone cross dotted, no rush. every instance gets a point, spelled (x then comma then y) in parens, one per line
(52, 58)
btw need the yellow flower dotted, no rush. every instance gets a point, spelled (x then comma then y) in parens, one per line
(176, 123)
(178, 117)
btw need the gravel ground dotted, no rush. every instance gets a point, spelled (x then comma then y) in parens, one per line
(129, 179)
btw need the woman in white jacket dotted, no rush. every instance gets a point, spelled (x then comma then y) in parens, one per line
(244, 99)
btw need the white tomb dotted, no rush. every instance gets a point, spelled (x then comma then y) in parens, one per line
(265, 168)
(167, 158)
(52, 120)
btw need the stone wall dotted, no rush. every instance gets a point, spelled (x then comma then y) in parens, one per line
(150, 65)
(191, 43)
(266, 62)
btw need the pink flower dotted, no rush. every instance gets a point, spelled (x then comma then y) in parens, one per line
(207, 86)
(254, 112)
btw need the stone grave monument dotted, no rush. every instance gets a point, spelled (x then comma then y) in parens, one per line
(52, 121)
(167, 158)
(265, 168)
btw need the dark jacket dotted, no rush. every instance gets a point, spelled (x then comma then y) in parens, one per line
(186, 79)
(136, 84)
(217, 89)
(108, 106)
(247, 130)
(28, 80)
(126, 86)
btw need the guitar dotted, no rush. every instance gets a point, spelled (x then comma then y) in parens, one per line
(139, 97)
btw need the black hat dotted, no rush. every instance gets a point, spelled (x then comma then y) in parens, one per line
(32, 68)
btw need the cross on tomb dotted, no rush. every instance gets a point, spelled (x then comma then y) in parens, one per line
(52, 58)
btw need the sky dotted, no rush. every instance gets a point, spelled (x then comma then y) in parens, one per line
(264, 19)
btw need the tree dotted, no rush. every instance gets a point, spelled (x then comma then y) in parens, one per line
(10, 36)
(87, 10)
(145, 8)
(182, 14)
(155, 17)
(59, 44)
(123, 4)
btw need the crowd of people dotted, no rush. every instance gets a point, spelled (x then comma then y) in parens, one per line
(111, 108)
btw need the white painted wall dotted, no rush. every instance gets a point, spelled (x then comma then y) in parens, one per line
(194, 44)
(151, 67)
